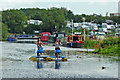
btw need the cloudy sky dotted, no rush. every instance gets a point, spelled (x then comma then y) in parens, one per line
(77, 6)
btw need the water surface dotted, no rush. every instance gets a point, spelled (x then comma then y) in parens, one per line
(16, 63)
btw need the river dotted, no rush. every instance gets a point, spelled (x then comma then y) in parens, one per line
(16, 63)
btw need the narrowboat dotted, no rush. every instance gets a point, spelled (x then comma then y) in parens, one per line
(54, 37)
(45, 36)
(11, 38)
(75, 41)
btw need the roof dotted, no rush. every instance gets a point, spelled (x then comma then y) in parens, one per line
(109, 21)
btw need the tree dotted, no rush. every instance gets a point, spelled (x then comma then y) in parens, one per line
(14, 19)
(118, 19)
(31, 28)
(50, 17)
(4, 32)
(77, 18)
(100, 19)
(70, 15)
(115, 19)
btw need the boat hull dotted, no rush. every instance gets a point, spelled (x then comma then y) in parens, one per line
(75, 45)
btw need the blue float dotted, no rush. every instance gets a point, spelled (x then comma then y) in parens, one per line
(48, 56)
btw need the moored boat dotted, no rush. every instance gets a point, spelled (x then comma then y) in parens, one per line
(75, 41)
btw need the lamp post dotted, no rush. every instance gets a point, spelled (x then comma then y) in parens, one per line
(84, 28)
(55, 29)
(84, 34)
(72, 27)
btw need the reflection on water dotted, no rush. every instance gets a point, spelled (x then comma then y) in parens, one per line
(40, 64)
(29, 42)
(57, 65)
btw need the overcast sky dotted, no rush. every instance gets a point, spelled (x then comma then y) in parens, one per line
(77, 6)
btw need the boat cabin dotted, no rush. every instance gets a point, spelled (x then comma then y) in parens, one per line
(75, 38)
(75, 41)
(45, 36)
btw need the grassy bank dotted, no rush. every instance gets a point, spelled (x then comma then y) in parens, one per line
(108, 46)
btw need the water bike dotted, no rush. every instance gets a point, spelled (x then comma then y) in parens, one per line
(57, 57)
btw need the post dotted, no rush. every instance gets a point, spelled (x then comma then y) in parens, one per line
(116, 25)
(55, 29)
(72, 27)
(84, 34)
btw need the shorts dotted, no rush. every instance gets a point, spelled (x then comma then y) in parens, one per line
(57, 48)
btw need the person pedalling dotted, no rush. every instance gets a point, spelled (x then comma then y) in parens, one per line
(57, 47)
(39, 47)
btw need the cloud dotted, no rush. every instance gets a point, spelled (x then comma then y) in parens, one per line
(77, 6)
(91, 1)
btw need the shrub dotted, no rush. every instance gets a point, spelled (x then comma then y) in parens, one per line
(97, 46)
(102, 51)
(90, 43)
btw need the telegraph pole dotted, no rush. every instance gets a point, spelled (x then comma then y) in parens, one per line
(72, 27)
(84, 34)
(84, 28)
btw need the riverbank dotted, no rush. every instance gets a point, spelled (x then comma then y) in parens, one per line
(108, 46)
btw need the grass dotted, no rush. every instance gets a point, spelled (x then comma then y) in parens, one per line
(109, 46)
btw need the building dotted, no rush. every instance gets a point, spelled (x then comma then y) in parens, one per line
(107, 14)
(76, 24)
(107, 27)
(114, 14)
(35, 22)
(119, 7)
(109, 22)
(69, 24)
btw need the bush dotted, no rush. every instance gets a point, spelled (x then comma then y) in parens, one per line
(5, 33)
(97, 46)
(102, 51)
(107, 51)
(108, 46)
(110, 42)
(117, 49)
(96, 50)
(90, 43)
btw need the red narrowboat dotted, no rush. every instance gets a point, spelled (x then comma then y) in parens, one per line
(75, 41)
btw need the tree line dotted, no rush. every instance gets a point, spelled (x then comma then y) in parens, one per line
(16, 19)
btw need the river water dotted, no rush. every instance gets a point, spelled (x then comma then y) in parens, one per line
(16, 63)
